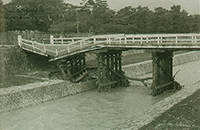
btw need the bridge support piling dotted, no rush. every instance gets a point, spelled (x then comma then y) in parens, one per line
(73, 68)
(162, 72)
(110, 72)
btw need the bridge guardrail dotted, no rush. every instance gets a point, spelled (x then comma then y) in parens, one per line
(61, 46)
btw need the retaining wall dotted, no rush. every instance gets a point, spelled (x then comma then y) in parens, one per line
(21, 96)
(142, 68)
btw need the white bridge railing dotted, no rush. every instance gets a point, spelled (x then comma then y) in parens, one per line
(61, 46)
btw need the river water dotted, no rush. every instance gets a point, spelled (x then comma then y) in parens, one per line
(92, 110)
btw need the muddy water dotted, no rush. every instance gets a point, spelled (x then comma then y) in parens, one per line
(92, 110)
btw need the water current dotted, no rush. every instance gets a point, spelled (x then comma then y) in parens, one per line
(92, 110)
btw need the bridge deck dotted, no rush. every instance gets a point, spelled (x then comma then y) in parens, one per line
(63, 47)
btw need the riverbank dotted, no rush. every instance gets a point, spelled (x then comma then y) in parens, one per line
(20, 96)
(183, 115)
(176, 112)
(94, 110)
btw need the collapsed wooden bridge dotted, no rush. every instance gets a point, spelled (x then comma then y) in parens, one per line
(69, 53)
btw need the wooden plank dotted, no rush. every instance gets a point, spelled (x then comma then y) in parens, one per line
(164, 85)
(106, 84)
(81, 77)
(77, 73)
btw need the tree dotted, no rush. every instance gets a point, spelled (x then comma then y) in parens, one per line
(100, 16)
(194, 25)
(162, 22)
(2, 20)
(142, 20)
(123, 16)
(33, 14)
(179, 20)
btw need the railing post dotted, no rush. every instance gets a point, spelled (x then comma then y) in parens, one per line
(81, 44)
(147, 40)
(195, 39)
(133, 39)
(120, 40)
(141, 40)
(125, 40)
(158, 40)
(95, 41)
(108, 40)
(19, 40)
(44, 49)
(61, 39)
(68, 49)
(33, 44)
(192, 39)
(176, 39)
(51, 39)
(56, 52)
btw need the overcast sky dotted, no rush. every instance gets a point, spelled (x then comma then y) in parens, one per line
(191, 6)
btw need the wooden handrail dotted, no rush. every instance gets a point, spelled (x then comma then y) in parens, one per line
(69, 45)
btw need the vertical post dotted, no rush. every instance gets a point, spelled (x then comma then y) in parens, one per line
(81, 44)
(99, 58)
(56, 52)
(141, 39)
(19, 40)
(195, 39)
(162, 72)
(108, 40)
(61, 40)
(44, 48)
(51, 39)
(94, 41)
(147, 40)
(84, 63)
(72, 40)
(125, 40)
(112, 67)
(33, 45)
(158, 40)
(77, 22)
(68, 49)
(176, 39)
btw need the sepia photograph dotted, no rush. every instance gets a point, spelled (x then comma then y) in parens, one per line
(99, 64)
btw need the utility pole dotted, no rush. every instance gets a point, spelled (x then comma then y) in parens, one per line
(77, 20)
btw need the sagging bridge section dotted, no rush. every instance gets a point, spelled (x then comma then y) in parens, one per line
(69, 53)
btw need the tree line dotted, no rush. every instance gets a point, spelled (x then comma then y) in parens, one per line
(57, 16)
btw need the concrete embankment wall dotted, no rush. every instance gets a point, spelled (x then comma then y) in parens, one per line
(142, 68)
(21, 96)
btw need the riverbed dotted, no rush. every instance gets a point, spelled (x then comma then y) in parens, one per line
(92, 110)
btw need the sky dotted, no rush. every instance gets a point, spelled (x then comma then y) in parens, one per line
(191, 6)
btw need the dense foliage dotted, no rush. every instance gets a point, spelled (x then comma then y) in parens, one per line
(2, 19)
(56, 16)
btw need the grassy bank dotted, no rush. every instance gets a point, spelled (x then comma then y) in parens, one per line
(13, 61)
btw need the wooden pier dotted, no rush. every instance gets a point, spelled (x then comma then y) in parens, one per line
(69, 53)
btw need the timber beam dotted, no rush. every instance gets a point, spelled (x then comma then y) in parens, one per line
(73, 68)
(110, 72)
